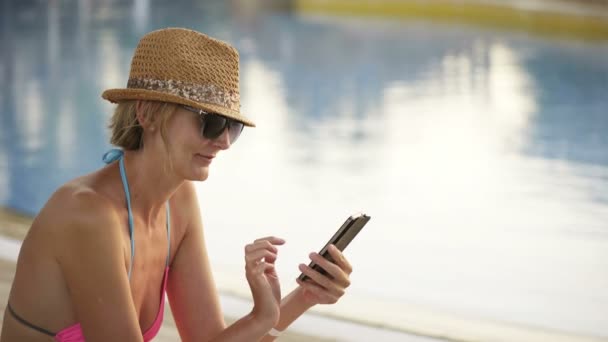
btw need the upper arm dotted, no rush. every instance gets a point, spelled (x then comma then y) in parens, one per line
(191, 289)
(92, 259)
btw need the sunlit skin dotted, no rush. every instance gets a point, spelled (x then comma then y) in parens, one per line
(74, 262)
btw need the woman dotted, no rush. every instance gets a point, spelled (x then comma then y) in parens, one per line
(106, 247)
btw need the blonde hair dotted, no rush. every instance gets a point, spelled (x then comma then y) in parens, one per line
(126, 130)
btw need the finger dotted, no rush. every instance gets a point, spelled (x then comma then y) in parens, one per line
(263, 267)
(272, 239)
(340, 259)
(322, 280)
(338, 274)
(260, 269)
(257, 256)
(261, 244)
(320, 294)
(258, 277)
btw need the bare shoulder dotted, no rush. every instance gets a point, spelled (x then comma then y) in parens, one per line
(78, 202)
(75, 239)
(76, 212)
(80, 229)
(185, 210)
(186, 193)
(185, 200)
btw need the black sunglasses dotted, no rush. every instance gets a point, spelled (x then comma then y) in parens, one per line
(213, 125)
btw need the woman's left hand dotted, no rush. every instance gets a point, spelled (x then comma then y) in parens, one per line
(326, 289)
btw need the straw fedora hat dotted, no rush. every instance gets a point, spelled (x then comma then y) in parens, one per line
(184, 67)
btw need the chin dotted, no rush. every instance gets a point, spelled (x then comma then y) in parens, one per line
(200, 174)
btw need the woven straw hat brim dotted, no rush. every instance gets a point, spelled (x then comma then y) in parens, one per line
(117, 95)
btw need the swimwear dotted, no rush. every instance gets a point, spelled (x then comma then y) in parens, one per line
(73, 333)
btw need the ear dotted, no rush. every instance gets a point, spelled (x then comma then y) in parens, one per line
(145, 121)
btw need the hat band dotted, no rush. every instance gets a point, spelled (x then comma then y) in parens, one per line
(207, 93)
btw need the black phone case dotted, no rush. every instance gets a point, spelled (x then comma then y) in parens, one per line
(347, 232)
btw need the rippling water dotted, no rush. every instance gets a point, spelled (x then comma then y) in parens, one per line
(482, 156)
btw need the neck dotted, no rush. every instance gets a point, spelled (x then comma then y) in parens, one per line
(150, 183)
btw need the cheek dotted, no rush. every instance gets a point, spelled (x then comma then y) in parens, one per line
(183, 134)
(184, 141)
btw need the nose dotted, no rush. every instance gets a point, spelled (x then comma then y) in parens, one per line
(223, 141)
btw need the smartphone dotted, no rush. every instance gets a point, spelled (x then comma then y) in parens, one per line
(350, 228)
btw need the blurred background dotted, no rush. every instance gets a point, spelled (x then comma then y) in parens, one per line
(474, 133)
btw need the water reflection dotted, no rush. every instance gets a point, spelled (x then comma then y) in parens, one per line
(141, 13)
(47, 110)
(436, 149)
(480, 155)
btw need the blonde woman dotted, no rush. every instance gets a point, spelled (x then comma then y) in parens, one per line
(106, 248)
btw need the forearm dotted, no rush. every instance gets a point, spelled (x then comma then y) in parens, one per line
(292, 307)
(249, 329)
(246, 329)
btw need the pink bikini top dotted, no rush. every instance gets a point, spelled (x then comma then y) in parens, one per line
(73, 333)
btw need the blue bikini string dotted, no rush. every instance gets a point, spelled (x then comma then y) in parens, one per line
(109, 157)
(116, 154)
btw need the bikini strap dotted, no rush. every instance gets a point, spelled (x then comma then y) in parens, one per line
(26, 323)
(109, 157)
(116, 154)
(168, 234)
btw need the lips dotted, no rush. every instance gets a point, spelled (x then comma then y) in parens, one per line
(206, 156)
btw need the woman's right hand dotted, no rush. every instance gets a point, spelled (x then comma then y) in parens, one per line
(260, 257)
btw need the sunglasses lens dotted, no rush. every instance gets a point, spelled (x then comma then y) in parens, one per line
(214, 125)
(234, 131)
